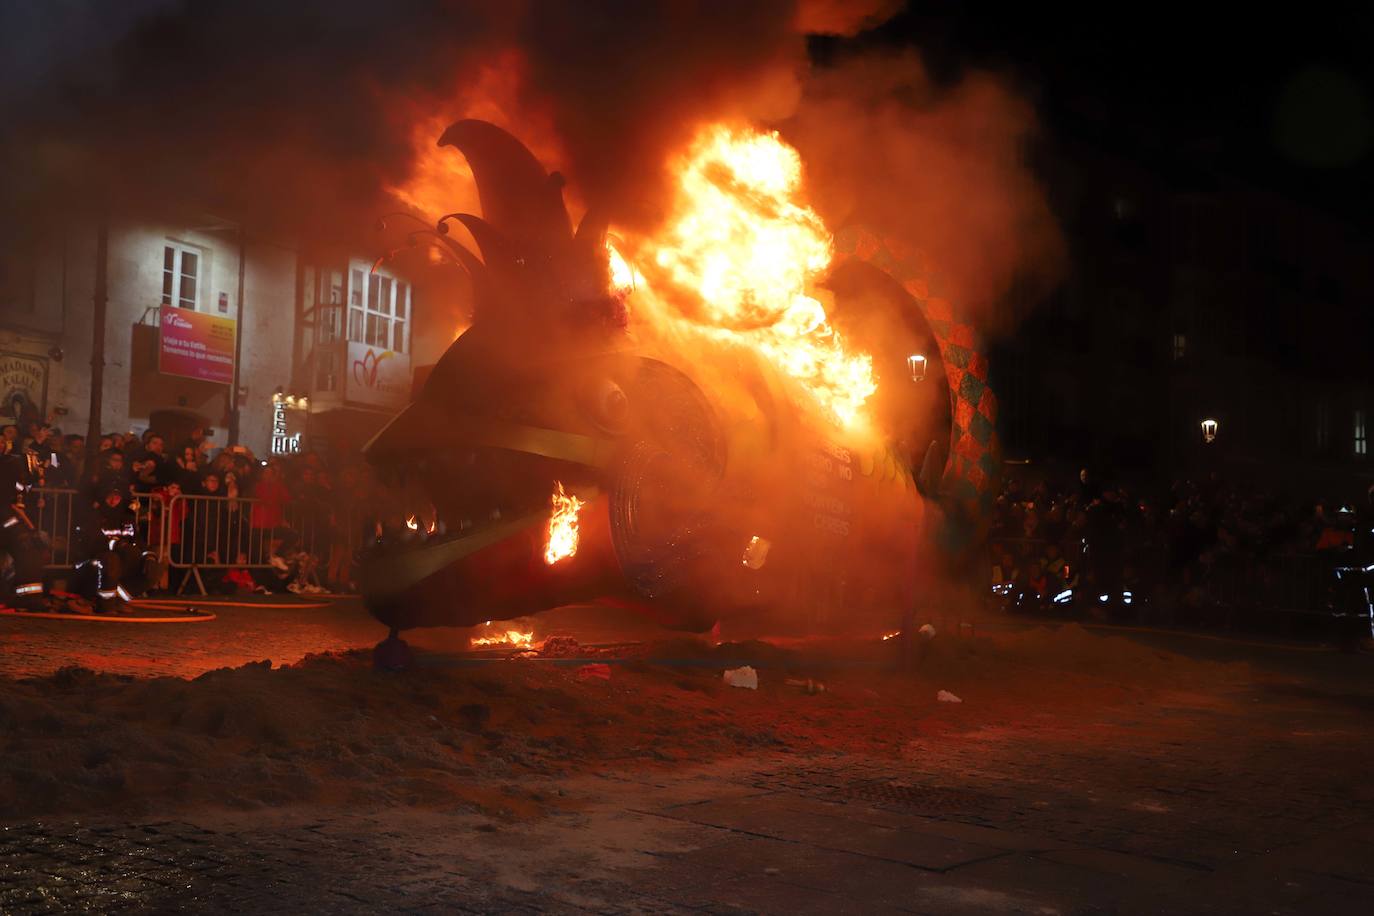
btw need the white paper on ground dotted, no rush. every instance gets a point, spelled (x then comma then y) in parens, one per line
(745, 677)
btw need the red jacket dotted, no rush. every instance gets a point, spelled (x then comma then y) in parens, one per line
(270, 509)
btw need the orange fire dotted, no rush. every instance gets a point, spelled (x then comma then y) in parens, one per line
(622, 274)
(412, 524)
(562, 537)
(742, 241)
(513, 638)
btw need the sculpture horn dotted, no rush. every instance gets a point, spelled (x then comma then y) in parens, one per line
(517, 195)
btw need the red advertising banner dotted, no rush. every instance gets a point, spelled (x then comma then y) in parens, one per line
(196, 345)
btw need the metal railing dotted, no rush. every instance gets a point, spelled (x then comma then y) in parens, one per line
(218, 532)
(53, 513)
(57, 514)
(195, 532)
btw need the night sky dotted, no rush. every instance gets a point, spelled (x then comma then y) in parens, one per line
(1283, 99)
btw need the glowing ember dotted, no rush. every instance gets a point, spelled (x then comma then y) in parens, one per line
(412, 524)
(562, 539)
(742, 242)
(513, 638)
(893, 635)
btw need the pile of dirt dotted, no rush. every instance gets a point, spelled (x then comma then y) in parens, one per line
(332, 730)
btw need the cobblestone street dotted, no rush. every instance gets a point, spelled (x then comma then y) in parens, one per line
(1242, 800)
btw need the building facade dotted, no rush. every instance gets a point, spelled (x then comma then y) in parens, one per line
(191, 306)
(1194, 296)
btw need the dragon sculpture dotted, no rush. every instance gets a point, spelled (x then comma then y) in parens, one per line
(702, 488)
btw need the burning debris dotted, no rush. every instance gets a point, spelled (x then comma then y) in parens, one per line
(561, 541)
(515, 639)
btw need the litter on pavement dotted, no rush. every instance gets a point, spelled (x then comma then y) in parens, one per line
(745, 677)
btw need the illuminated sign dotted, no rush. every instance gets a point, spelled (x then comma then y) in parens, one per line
(287, 419)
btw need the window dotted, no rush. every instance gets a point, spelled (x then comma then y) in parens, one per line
(1180, 346)
(1323, 425)
(329, 312)
(181, 270)
(378, 310)
(326, 370)
(1361, 438)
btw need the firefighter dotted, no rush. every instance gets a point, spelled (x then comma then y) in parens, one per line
(115, 567)
(22, 553)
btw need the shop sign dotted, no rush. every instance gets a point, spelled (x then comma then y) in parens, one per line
(24, 385)
(377, 377)
(288, 423)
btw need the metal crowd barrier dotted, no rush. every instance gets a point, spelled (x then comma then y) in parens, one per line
(53, 512)
(219, 532)
(56, 513)
(198, 532)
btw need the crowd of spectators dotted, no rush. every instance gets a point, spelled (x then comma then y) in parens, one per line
(288, 522)
(1185, 552)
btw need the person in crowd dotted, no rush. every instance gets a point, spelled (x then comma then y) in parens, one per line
(1087, 486)
(109, 473)
(9, 438)
(144, 474)
(165, 468)
(189, 459)
(187, 472)
(73, 458)
(195, 441)
(209, 530)
(166, 518)
(268, 514)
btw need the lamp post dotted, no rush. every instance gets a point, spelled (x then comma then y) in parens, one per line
(917, 363)
(234, 413)
(100, 299)
(1209, 428)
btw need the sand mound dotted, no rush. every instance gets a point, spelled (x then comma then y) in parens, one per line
(332, 730)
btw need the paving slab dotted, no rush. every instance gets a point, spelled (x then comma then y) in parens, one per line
(771, 816)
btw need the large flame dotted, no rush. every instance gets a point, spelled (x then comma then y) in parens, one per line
(740, 240)
(562, 537)
(516, 638)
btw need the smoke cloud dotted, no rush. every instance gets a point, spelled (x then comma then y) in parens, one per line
(941, 172)
(300, 117)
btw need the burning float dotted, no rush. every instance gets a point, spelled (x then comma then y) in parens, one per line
(737, 414)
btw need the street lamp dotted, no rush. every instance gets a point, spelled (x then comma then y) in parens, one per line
(917, 364)
(1209, 430)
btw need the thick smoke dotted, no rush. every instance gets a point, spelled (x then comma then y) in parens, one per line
(297, 117)
(941, 172)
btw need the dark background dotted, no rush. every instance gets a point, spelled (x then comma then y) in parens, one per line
(1212, 173)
